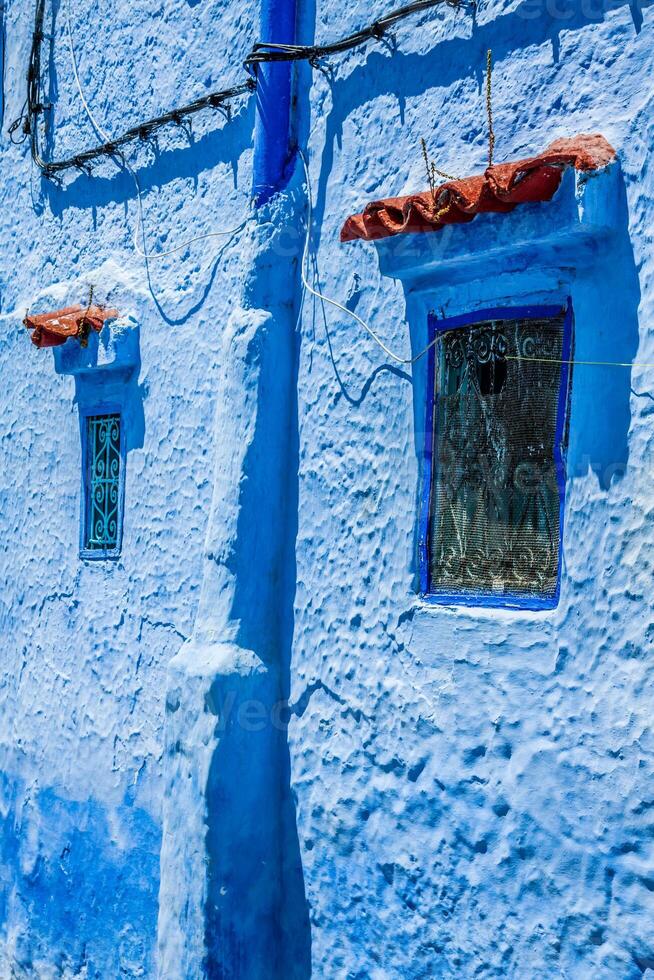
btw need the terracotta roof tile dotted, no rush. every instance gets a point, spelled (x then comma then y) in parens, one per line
(53, 329)
(500, 189)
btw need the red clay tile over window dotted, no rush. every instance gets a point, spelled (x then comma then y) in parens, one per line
(500, 189)
(53, 329)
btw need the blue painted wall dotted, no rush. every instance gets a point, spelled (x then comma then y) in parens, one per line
(85, 645)
(474, 787)
(469, 791)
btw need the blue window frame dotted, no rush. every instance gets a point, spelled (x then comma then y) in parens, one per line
(103, 483)
(491, 521)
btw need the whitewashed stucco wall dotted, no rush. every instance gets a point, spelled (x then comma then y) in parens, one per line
(473, 789)
(85, 645)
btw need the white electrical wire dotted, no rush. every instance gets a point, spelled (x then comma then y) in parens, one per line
(140, 225)
(315, 292)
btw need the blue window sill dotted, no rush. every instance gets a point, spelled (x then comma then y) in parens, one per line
(99, 554)
(489, 601)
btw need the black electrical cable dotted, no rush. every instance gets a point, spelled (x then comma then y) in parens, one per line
(28, 121)
(264, 52)
(81, 160)
(141, 132)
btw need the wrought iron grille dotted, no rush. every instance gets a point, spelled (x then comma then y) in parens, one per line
(494, 521)
(103, 482)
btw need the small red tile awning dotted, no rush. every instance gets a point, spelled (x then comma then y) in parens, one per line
(500, 189)
(53, 329)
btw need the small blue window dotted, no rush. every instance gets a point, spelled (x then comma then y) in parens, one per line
(494, 479)
(103, 486)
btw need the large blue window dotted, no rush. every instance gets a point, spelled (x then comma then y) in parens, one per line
(494, 480)
(103, 485)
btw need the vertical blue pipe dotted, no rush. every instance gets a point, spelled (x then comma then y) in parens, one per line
(272, 131)
(3, 49)
(231, 899)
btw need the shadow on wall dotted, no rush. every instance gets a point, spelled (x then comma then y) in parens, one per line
(256, 919)
(102, 187)
(112, 184)
(106, 372)
(404, 76)
(53, 85)
(606, 301)
(3, 50)
(256, 913)
(78, 884)
(126, 394)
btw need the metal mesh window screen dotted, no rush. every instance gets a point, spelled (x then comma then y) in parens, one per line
(101, 531)
(494, 521)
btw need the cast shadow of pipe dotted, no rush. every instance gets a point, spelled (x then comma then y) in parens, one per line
(256, 912)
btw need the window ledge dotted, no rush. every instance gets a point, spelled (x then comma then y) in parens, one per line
(584, 210)
(115, 348)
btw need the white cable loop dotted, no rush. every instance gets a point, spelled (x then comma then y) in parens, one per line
(315, 292)
(140, 227)
(140, 224)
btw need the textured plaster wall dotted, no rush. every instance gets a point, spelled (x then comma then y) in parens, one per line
(85, 645)
(474, 789)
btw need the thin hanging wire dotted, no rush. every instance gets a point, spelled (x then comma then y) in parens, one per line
(575, 362)
(489, 106)
(124, 163)
(28, 122)
(316, 292)
(431, 171)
